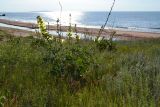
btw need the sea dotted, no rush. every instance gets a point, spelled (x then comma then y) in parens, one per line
(130, 21)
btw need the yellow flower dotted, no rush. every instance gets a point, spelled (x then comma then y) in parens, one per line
(62, 40)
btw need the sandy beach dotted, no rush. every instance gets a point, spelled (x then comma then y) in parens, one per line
(125, 35)
(17, 32)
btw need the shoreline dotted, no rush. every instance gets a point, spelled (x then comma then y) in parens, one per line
(122, 34)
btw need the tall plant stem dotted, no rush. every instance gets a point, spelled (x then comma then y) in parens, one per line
(106, 22)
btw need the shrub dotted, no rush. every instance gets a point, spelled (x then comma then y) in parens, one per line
(66, 61)
(69, 62)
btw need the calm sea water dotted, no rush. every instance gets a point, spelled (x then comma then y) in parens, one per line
(136, 21)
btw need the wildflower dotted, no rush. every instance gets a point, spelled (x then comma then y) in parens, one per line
(62, 40)
(42, 28)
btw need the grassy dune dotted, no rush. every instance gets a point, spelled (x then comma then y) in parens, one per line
(126, 77)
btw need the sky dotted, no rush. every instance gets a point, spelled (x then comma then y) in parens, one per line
(78, 5)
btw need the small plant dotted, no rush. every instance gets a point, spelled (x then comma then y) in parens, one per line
(105, 44)
(101, 44)
(111, 44)
(59, 28)
(77, 36)
(69, 33)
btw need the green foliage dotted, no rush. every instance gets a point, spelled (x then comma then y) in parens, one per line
(69, 61)
(69, 33)
(106, 44)
(2, 100)
(33, 75)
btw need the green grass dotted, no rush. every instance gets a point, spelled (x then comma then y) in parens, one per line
(127, 77)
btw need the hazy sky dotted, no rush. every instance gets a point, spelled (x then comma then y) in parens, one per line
(78, 5)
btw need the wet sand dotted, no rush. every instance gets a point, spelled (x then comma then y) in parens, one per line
(125, 35)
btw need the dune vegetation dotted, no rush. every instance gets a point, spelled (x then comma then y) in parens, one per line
(38, 71)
